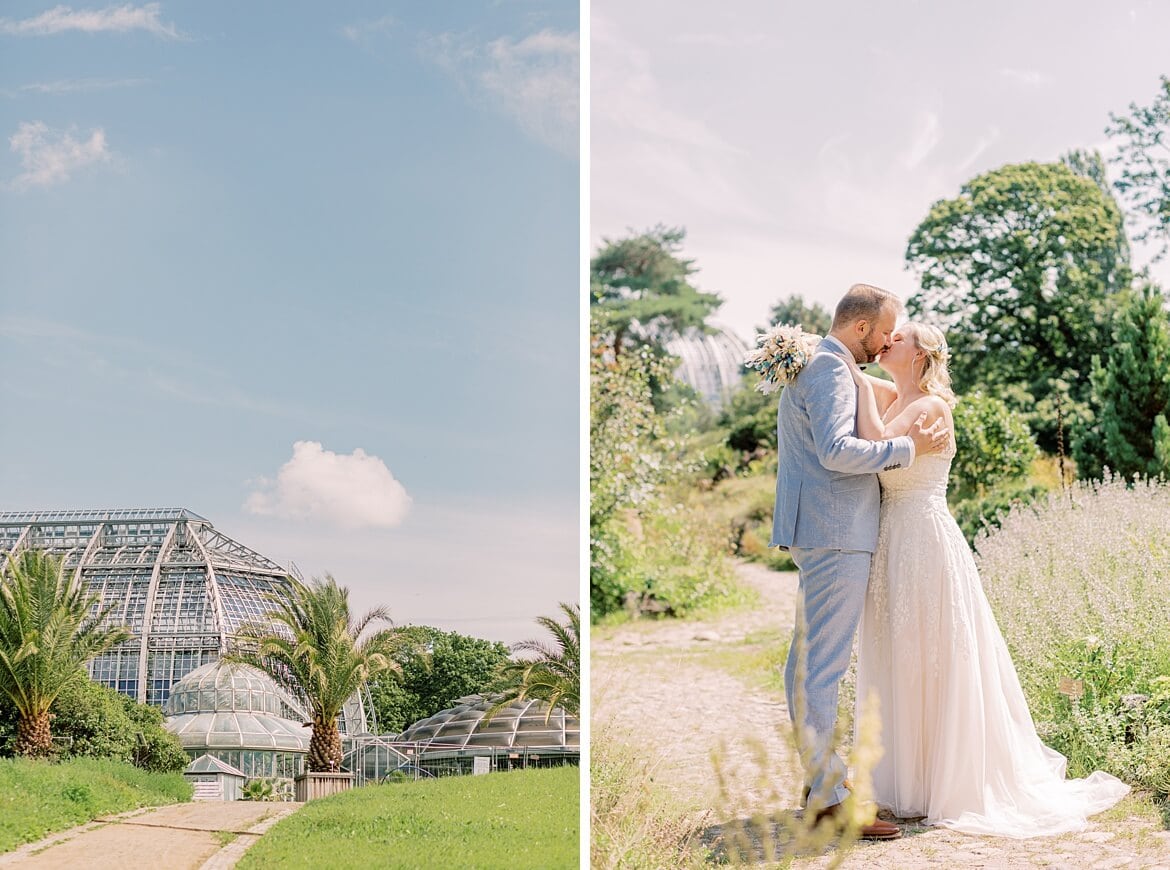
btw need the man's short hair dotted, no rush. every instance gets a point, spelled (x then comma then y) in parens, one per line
(863, 302)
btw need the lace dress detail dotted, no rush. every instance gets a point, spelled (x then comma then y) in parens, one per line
(960, 747)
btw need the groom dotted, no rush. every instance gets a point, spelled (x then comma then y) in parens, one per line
(826, 516)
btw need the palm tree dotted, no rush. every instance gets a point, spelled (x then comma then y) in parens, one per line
(49, 628)
(554, 675)
(314, 649)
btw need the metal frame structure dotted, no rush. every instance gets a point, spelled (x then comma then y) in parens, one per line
(183, 587)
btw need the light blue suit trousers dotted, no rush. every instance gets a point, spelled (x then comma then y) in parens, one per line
(831, 597)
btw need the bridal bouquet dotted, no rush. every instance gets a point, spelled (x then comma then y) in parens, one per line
(780, 354)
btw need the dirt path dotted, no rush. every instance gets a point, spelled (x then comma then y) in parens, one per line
(194, 836)
(677, 690)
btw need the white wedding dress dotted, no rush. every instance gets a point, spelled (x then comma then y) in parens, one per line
(959, 744)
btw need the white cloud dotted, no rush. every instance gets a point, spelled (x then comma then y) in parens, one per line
(535, 80)
(49, 157)
(926, 138)
(73, 86)
(353, 490)
(112, 19)
(1030, 77)
(361, 31)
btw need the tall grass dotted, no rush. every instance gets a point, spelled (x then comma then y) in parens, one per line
(1080, 585)
(38, 798)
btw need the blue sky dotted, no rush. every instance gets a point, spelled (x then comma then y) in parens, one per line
(800, 144)
(228, 229)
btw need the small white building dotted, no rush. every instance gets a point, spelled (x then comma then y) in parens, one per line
(214, 780)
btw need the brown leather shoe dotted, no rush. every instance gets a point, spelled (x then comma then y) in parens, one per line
(877, 830)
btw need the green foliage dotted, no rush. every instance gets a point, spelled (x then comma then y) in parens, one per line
(318, 654)
(520, 819)
(258, 789)
(641, 289)
(994, 446)
(551, 672)
(1131, 394)
(982, 513)
(750, 417)
(1145, 164)
(437, 668)
(49, 627)
(39, 797)
(1018, 268)
(93, 721)
(814, 318)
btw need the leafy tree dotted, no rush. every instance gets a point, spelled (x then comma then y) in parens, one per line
(313, 647)
(1131, 394)
(553, 674)
(49, 627)
(1144, 157)
(1018, 269)
(626, 459)
(437, 668)
(641, 289)
(1091, 165)
(994, 445)
(812, 318)
(94, 721)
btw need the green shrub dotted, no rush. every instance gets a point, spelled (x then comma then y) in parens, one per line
(93, 721)
(994, 445)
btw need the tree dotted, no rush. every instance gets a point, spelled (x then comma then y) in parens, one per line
(1131, 394)
(1144, 157)
(314, 648)
(49, 627)
(1019, 269)
(813, 318)
(641, 289)
(437, 668)
(553, 675)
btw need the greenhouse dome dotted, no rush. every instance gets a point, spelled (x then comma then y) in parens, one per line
(239, 715)
(183, 588)
(519, 724)
(711, 364)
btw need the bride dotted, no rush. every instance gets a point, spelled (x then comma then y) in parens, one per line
(960, 746)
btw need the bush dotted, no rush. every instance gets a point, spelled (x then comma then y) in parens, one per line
(994, 445)
(93, 721)
(1080, 584)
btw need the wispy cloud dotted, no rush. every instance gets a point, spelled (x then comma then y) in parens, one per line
(363, 30)
(50, 157)
(1030, 77)
(926, 137)
(534, 80)
(112, 19)
(72, 86)
(981, 144)
(353, 490)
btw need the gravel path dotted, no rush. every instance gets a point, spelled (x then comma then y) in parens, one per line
(192, 836)
(681, 690)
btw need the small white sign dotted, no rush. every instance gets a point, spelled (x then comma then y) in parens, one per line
(481, 764)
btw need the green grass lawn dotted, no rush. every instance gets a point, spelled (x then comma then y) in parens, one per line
(38, 798)
(523, 818)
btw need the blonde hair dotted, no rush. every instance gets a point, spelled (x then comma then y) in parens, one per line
(936, 376)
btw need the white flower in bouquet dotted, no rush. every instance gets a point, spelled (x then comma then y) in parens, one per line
(780, 354)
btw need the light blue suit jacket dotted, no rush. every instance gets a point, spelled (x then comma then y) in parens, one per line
(827, 493)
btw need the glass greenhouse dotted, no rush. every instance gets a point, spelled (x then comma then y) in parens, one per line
(182, 587)
(238, 715)
(450, 741)
(711, 364)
